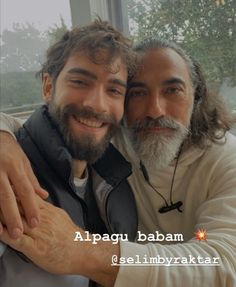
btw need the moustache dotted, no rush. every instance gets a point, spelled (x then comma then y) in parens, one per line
(163, 122)
(87, 113)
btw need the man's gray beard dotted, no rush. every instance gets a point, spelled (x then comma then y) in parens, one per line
(84, 148)
(157, 150)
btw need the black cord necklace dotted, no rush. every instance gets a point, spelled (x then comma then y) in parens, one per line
(172, 205)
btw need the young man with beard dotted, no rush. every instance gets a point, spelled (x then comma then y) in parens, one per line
(67, 141)
(184, 166)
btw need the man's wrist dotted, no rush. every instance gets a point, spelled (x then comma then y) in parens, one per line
(94, 261)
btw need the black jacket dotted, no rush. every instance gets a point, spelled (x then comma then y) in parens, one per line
(112, 199)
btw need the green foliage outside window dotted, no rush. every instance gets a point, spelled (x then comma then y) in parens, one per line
(206, 30)
(22, 53)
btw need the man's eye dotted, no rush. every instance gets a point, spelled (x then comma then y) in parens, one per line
(173, 91)
(136, 93)
(116, 92)
(79, 82)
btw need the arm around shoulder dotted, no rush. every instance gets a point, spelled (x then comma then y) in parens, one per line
(9, 124)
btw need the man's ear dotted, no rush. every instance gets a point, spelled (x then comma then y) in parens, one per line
(47, 89)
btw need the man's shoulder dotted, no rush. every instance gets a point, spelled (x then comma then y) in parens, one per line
(231, 139)
(221, 154)
(224, 146)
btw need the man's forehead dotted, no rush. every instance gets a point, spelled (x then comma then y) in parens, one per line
(160, 61)
(84, 60)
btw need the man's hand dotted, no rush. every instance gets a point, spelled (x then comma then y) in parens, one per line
(51, 246)
(17, 183)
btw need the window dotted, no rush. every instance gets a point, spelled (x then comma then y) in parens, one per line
(27, 29)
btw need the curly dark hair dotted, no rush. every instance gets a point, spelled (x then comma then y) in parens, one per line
(210, 118)
(94, 40)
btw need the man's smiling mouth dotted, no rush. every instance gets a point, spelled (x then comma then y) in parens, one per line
(91, 123)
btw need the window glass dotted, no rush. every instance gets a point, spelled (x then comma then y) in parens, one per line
(28, 27)
(204, 28)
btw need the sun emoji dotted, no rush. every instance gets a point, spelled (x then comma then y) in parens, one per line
(201, 234)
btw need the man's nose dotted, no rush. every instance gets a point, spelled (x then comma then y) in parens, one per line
(96, 99)
(155, 106)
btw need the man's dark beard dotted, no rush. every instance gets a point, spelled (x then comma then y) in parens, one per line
(82, 147)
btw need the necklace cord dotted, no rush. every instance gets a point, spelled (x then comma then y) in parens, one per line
(173, 177)
(146, 177)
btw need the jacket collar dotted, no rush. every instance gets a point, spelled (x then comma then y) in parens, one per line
(50, 144)
(112, 166)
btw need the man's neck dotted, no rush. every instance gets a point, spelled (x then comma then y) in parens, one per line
(79, 168)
